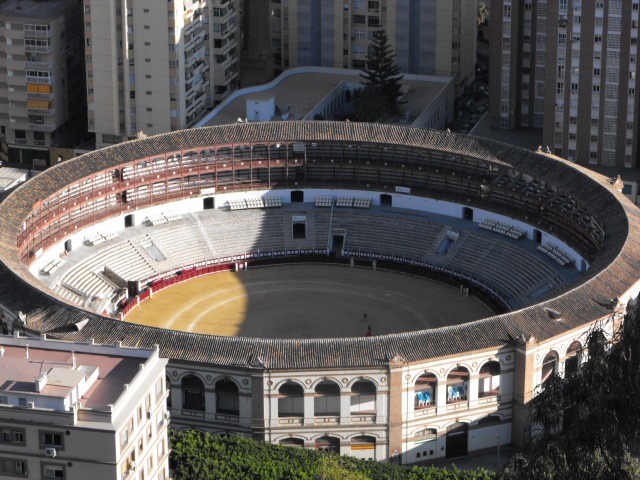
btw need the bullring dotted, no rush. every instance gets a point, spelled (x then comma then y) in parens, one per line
(409, 396)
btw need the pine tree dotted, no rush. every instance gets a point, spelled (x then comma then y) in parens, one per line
(382, 87)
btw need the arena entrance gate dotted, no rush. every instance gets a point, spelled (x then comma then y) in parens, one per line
(208, 203)
(457, 439)
(297, 196)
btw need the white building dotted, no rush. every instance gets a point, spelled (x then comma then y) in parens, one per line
(78, 411)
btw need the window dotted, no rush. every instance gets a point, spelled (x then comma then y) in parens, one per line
(53, 471)
(597, 39)
(132, 94)
(12, 435)
(159, 383)
(359, 19)
(596, 72)
(14, 467)
(51, 439)
(38, 139)
(21, 137)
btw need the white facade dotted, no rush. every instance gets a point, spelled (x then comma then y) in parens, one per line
(58, 424)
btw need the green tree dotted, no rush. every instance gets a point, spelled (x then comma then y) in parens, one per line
(202, 456)
(588, 421)
(382, 88)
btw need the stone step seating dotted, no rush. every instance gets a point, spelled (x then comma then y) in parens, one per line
(502, 228)
(68, 294)
(249, 231)
(515, 271)
(382, 234)
(560, 256)
(180, 245)
(123, 258)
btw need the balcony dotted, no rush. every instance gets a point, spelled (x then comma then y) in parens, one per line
(36, 32)
(41, 65)
(37, 48)
(40, 80)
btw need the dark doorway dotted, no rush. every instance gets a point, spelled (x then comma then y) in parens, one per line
(386, 199)
(457, 440)
(467, 213)
(337, 244)
(297, 196)
(537, 235)
(67, 246)
(128, 221)
(300, 230)
(208, 203)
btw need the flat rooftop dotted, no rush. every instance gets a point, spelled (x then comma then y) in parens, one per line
(29, 10)
(303, 90)
(18, 373)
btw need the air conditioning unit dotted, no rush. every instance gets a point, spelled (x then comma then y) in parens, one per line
(166, 415)
(50, 452)
(148, 415)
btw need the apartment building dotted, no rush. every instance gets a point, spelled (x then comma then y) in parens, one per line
(78, 411)
(42, 101)
(569, 67)
(155, 67)
(430, 37)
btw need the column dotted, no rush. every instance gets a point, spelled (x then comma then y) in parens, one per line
(345, 406)
(474, 379)
(309, 407)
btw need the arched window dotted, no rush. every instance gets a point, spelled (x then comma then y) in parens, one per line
(489, 420)
(458, 385)
(363, 446)
(425, 391)
(292, 442)
(489, 379)
(363, 397)
(227, 398)
(424, 442)
(290, 400)
(192, 393)
(328, 444)
(572, 360)
(326, 400)
(549, 366)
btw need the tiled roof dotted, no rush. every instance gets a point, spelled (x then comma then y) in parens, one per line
(613, 270)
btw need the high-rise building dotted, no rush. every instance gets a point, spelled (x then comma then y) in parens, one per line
(157, 67)
(42, 93)
(569, 67)
(430, 37)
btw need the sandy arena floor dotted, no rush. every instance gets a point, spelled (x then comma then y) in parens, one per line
(307, 301)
